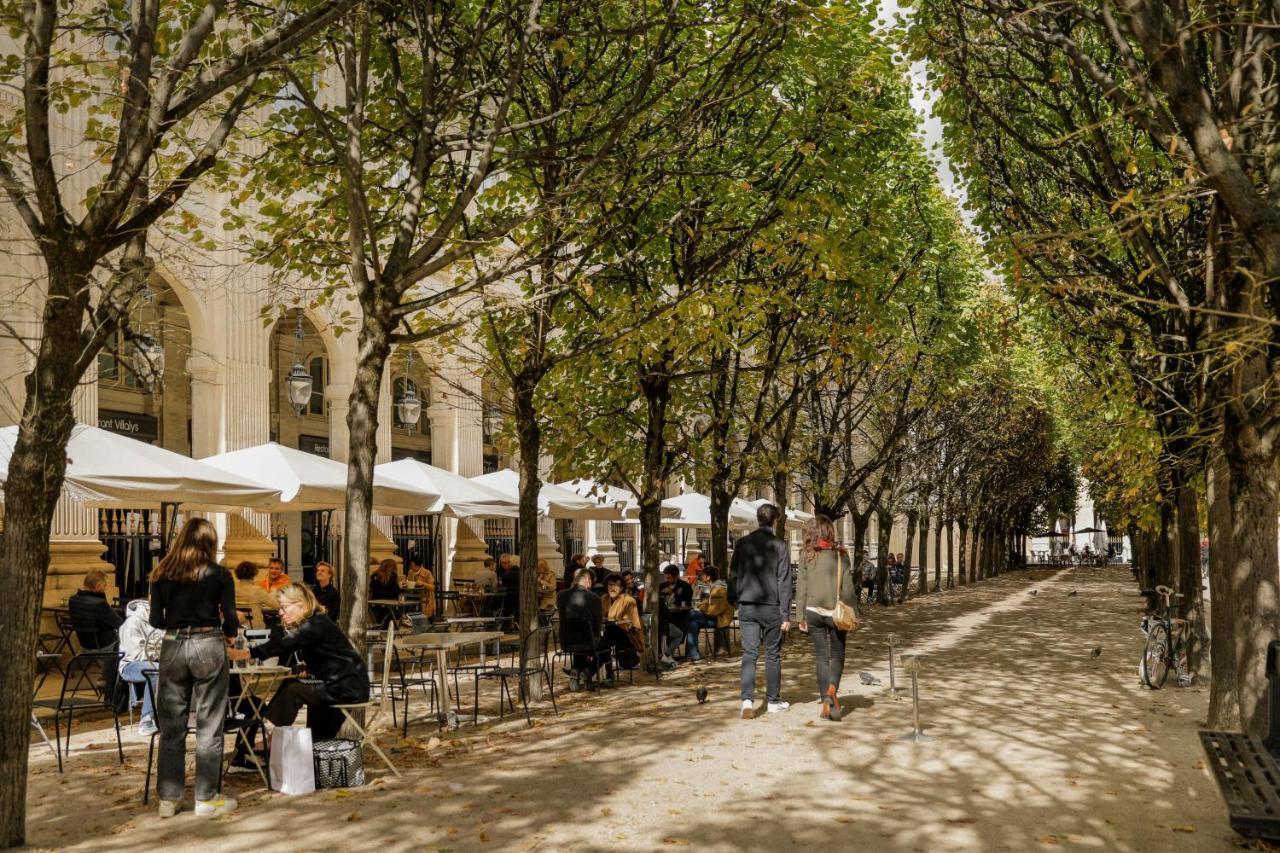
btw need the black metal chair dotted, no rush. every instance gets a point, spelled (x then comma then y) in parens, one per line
(579, 628)
(81, 693)
(536, 662)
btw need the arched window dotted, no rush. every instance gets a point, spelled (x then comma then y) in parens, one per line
(318, 368)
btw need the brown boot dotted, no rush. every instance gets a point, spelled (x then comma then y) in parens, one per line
(831, 705)
(826, 709)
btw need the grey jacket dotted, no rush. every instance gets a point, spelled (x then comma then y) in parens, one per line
(816, 582)
(761, 572)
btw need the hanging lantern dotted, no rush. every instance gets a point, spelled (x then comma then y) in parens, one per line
(148, 361)
(299, 385)
(409, 407)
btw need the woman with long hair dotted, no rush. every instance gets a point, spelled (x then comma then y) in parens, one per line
(824, 568)
(384, 585)
(193, 600)
(335, 674)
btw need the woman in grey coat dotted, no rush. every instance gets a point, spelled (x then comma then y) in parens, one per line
(823, 562)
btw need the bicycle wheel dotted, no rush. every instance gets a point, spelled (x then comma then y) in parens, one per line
(1155, 657)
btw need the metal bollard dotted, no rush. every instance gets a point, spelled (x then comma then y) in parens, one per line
(894, 689)
(911, 663)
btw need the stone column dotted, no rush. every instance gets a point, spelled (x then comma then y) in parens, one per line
(457, 445)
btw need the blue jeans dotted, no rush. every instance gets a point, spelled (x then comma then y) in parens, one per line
(761, 623)
(134, 673)
(697, 621)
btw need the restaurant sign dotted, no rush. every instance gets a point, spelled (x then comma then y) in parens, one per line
(317, 444)
(142, 427)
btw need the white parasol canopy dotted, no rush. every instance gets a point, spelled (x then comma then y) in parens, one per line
(553, 501)
(695, 511)
(310, 482)
(797, 515)
(459, 497)
(606, 495)
(114, 471)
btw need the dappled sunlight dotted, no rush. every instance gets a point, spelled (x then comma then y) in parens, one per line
(1037, 746)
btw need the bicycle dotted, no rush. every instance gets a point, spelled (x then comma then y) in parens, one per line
(1166, 643)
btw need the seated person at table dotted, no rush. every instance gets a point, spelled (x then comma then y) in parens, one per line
(334, 675)
(325, 591)
(250, 596)
(631, 588)
(677, 596)
(582, 624)
(546, 591)
(577, 561)
(426, 582)
(714, 611)
(275, 579)
(487, 578)
(383, 584)
(509, 580)
(623, 631)
(139, 658)
(95, 621)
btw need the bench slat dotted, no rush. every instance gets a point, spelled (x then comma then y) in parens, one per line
(1249, 779)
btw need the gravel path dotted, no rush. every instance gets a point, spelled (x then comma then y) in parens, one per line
(1038, 746)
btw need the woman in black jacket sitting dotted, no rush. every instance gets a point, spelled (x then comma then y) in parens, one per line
(335, 674)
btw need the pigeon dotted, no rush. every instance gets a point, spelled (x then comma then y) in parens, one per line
(1073, 593)
(1035, 592)
(1096, 653)
(702, 695)
(868, 678)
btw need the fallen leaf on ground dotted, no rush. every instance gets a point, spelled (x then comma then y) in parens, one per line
(1048, 839)
(353, 817)
(1183, 828)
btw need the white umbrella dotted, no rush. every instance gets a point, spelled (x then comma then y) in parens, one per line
(310, 482)
(459, 497)
(605, 495)
(695, 511)
(114, 471)
(553, 501)
(797, 515)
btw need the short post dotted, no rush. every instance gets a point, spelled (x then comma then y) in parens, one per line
(911, 663)
(893, 675)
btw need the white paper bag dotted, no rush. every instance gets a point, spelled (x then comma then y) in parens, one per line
(293, 770)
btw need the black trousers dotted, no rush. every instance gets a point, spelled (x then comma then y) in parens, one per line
(323, 719)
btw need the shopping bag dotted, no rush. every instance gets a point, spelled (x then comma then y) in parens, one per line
(292, 769)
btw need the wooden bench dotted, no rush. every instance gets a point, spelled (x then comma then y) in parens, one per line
(1249, 778)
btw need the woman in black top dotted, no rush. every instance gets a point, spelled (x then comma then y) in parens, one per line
(193, 599)
(325, 592)
(383, 584)
(335, 674)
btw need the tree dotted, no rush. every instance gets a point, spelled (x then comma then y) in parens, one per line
(164, 84)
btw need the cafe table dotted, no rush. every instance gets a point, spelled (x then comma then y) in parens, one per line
(441, 644)
(257, 682)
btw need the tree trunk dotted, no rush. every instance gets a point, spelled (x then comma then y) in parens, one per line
(885, 530)
(937, 554)
(923, 582)
(975, 534)
(656, 385)
(1224, 707)
(1190, 580)
(529, 434)
(37, 468)
(951, 555)
(1252, 570)
(860, 522)
(721, 499)
(962, 524)
(912, 520)
(373, 348)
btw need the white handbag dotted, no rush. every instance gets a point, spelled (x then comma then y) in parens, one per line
(293, 769)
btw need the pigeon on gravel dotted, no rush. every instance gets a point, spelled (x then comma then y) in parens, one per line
(1035, 592)
(868, 678)
(1073, 593)
(702, 695)
(1096, 653)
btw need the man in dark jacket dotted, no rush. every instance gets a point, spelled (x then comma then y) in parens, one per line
(95, 621)
(760, 585)
(582, 624)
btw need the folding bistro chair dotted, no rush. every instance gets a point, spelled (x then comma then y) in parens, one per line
(81, 693)
(536, 662)
(354, 710)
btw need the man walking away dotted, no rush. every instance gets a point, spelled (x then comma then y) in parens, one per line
(760, 584)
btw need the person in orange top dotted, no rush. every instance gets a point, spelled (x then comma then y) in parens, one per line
(695, 567)
(275, 578)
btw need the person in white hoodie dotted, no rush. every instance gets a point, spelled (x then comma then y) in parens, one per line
(140, 653)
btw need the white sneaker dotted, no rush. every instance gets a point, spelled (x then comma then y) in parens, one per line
(779, 707)
(213, 808)
(169, 808)
(748, 709)
(147, 727)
